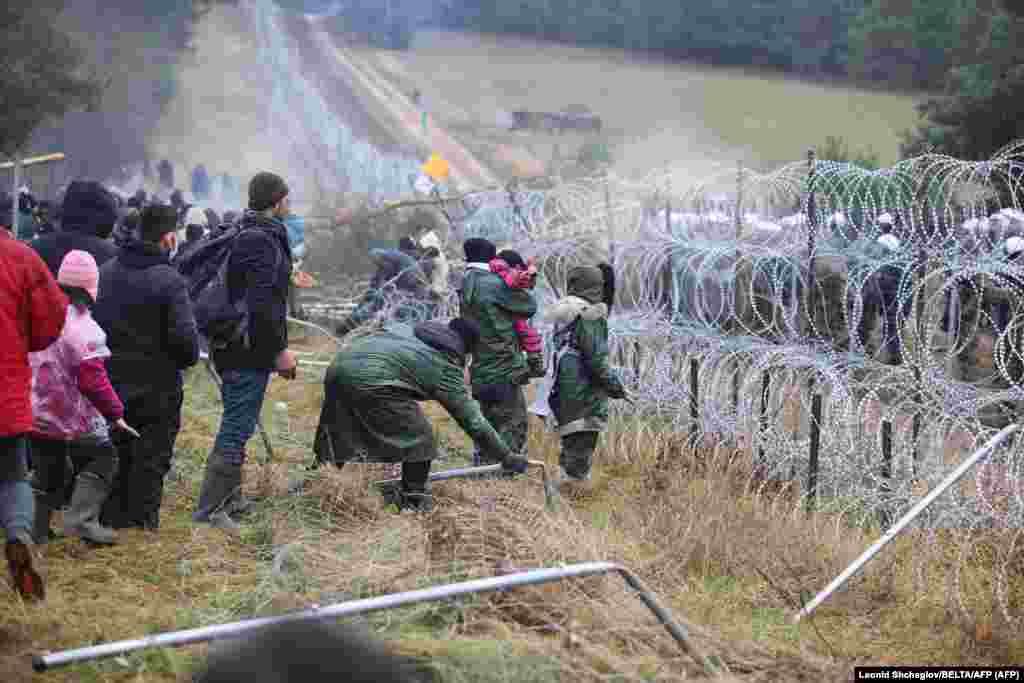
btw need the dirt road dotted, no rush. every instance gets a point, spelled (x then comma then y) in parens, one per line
(396, 111)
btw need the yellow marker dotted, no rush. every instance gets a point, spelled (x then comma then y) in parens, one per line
(436, 167)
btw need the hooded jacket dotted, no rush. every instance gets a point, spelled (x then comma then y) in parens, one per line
(494, 307)
(583, 376)
(32, 315)
(439, 274)
(260, 269)
(373, 387)
(55, 246)
(86, 211)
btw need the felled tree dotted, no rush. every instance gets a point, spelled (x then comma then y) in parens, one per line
(41, 72)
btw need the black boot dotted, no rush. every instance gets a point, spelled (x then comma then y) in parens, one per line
(82, 518)
(46, 504)
(222, 481)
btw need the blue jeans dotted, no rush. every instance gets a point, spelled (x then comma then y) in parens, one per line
(242, 392)
(17, 506)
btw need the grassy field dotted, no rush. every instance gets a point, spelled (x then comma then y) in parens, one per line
(732, 564)
(655, 113)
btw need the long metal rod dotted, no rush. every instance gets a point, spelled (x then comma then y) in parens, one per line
(889, 535)
(550, 490)
(678, 632)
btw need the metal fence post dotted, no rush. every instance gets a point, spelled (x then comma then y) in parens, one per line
(694, 405)
(886, 485)
(812, 465)
(763, 422)
(918, 508)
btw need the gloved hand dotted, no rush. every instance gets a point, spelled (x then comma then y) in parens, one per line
(535, 361)
(343, 328)
(514, 463)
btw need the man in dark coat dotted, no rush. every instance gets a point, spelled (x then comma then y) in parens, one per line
(499, 368)
(372, 390)
(145, 310)
(259, 272)
(880, 296)
(88, 212)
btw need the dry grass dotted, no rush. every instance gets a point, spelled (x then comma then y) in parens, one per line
(732, 556)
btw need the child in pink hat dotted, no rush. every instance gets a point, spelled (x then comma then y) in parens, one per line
(73, 405)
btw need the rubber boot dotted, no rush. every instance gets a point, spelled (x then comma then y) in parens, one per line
(41, 531)
(83, 517)
(416, 501)
(20, 552)
(222, 481)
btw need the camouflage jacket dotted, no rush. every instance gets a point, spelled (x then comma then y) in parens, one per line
(495, 307)
(397, 367)
(584, 380)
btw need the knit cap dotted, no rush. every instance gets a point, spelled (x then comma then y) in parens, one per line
(266, 190)
(78, 269)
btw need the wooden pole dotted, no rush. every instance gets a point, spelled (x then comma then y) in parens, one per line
(694, 406)
(812, 229)
(608, 216)
(886, 487)
(763, 423)
(739, 281)
(812, 465)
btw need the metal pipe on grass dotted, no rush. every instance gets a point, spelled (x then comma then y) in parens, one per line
(551, 494)
(889, 535)
(678, 632)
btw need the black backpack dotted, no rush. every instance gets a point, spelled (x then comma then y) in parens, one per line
(224, 322)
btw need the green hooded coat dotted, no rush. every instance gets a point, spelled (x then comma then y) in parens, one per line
(584, 379)
(490, 303)
(371, 410)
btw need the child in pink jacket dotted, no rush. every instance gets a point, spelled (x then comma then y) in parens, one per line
(519, 274)
(73, 407)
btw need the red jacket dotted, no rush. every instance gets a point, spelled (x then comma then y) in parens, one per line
(32, 313)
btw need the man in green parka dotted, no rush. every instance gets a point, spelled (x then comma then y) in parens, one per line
(584, 381)
(499, 368)
(372, 391)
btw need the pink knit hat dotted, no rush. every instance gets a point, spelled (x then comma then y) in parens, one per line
(79, 270)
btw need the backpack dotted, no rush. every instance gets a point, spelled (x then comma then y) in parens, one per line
(222, 321)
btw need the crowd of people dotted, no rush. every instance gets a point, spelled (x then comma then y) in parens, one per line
(102, 315)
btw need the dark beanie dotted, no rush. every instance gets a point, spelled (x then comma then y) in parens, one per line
(468, 330)
(266, 190)
(512, 258)
(88, 206)
(479, 250)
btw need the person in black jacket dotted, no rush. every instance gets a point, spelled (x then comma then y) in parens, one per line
(259, 272)
(88, 215)
(145, 310)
